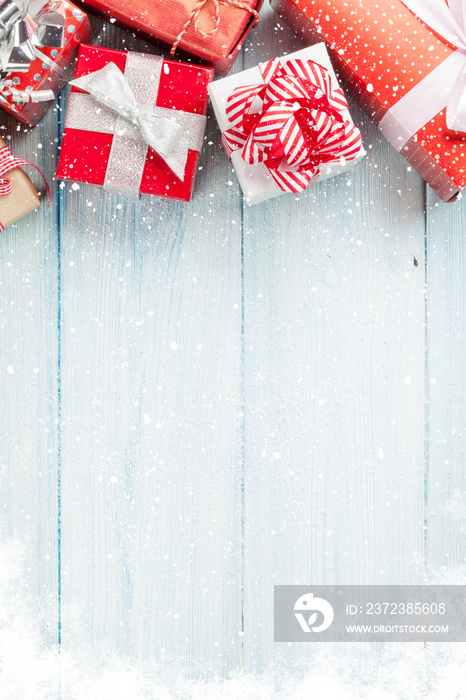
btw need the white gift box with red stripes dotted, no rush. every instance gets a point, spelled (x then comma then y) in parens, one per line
(286, 124)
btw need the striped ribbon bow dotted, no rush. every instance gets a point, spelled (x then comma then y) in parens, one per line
(9, 162)
(292, 123)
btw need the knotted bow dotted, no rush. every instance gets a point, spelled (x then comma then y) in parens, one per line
(193, 18)
(9, 162)
(110, 87)
(25, 28)
(292, 123)
(448, 20)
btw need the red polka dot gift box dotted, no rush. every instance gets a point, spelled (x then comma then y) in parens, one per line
(211, 31)
(407, 64)
(134, 123)
(39, 43)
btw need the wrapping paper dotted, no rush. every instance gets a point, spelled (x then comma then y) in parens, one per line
(101, 147)
(268, 178)
(40, 75)
(398, 68)
(163, 20)
(22, 199)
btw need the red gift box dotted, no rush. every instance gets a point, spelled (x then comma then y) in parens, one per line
(402, 72)
(52, 69)
(182, 92)
(217, 43)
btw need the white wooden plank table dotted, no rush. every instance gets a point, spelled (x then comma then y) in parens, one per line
(199, 401)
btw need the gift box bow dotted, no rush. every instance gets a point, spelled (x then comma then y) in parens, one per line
(25, 28)
(292, 123)
(193, 18)
(123, 104)
(446, 85)
(9, 162)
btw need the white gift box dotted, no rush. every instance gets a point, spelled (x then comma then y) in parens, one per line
(255, 180)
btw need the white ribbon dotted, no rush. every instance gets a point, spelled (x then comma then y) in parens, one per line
(123, 104)
(25, 27)
(110, 87)
(444, 86)
(447, 20)
(450, 22)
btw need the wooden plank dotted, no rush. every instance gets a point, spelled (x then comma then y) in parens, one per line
(151, 450)
(334, 337)
(445, 387)
(29, 446)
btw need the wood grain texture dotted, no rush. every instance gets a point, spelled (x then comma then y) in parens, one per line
(334, 313)
(205, 400)
(151, 353)
(445, 389)
(29, 445)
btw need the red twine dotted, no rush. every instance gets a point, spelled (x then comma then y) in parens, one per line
(9, 162)
(193, 18)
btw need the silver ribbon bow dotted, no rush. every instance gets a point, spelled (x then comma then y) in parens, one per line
(24, 29)
(124, 105)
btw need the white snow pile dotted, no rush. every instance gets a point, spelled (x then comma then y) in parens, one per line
(31, 670)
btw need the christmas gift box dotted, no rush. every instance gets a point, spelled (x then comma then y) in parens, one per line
(39, 42)
(134, 123)
(18, 196)
(285, 124)
(406, 61)
(211, 30)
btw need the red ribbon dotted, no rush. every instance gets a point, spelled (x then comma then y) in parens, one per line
(293, 122)
(9, 162)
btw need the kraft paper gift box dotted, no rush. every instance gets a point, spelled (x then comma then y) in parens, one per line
(285, 124)
(165, 103)
(38, 46)
(190, 26)
(406, 62)
(18, 196)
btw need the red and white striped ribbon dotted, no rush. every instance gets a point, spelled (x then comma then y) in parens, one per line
(292, 123)
(9, 162)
